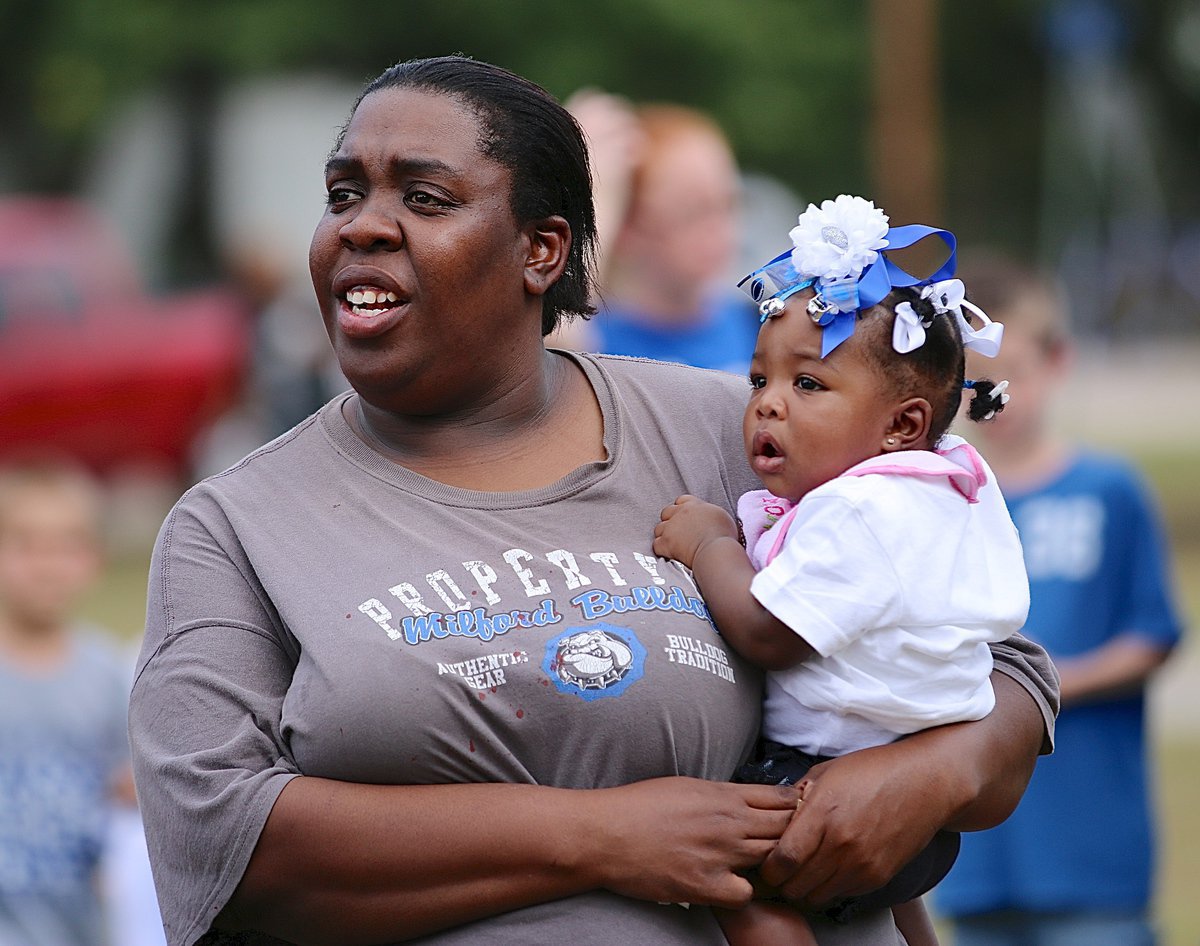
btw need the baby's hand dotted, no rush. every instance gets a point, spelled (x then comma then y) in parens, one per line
(687, 524)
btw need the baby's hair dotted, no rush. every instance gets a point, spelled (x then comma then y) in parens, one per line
(935, 370)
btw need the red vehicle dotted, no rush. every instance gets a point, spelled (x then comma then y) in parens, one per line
(92, 367)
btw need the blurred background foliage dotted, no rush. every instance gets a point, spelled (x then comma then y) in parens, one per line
(792, 83)
(76, 60)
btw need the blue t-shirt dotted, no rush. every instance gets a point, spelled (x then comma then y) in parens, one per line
(722, 337)
(1082, 836)
(62, 742)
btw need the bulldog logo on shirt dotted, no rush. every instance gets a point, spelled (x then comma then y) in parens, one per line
(595, 661)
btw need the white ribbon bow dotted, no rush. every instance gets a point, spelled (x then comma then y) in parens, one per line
(950, 295)
(908, 334)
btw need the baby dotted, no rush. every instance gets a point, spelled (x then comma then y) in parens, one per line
(882, 559)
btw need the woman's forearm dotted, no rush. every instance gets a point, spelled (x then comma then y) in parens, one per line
(362, 864)
(867, 813)
(995, 755)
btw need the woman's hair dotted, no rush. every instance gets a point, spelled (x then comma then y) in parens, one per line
(526, 130)
(935, 370)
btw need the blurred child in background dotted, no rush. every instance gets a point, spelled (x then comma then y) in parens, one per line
(667, 207)
(63, 697)
(1074, 863)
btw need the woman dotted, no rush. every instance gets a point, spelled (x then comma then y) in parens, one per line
(412, 670)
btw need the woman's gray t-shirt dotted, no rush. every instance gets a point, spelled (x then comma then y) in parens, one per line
(318, 609)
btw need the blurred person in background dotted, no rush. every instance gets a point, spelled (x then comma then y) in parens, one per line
(667, 207)
(64, 759)
(1074, 863)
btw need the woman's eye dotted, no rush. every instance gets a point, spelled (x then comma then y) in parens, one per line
(339, 196)
(757, 381)
(426, 200)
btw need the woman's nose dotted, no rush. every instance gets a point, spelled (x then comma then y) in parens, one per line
(374, 226)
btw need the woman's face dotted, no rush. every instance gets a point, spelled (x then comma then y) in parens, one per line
(418, 260)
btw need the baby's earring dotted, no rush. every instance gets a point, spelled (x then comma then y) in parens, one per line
(891, 441)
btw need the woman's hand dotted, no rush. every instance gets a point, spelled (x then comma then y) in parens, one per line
(686, 840)
(687, 525)
(861, 819)
(866, 814)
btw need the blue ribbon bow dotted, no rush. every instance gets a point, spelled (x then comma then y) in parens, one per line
(778, 280)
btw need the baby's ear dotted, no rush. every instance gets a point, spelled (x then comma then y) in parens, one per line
(909, 427)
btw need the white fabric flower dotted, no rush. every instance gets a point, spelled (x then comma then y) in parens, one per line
(840, 238)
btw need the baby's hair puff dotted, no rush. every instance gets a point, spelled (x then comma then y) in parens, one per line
(936, 369)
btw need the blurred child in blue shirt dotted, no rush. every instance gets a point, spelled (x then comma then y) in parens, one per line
(1075, 862)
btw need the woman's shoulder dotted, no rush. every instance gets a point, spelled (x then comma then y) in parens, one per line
(693, 414)
(673, 380)
(275, 469)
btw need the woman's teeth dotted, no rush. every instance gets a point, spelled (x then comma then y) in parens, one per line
(358, 297)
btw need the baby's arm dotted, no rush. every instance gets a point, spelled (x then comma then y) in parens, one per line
(762, 923)
(704, 538)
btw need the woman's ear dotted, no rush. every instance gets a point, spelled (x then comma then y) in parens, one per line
(909, 426)
(549, 246)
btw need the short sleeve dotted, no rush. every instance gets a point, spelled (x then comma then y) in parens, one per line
(1029, 665)
(816, 584)
(209, 757)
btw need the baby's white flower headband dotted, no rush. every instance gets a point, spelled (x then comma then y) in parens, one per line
(840, 249)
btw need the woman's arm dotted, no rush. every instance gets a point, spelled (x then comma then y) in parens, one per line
(368, 864)
(866, 814)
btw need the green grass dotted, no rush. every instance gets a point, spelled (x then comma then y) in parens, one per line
(118, 603)
(1179, 880)
(1178, 758)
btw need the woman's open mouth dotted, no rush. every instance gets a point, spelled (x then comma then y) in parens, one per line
(365, 311)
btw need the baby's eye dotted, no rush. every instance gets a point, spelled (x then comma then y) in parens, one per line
(757, 381)
(808, 383)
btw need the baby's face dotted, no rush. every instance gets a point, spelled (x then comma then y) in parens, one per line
(810, 419)
(49, 556)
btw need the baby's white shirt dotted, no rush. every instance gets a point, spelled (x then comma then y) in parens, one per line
(898, 577)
